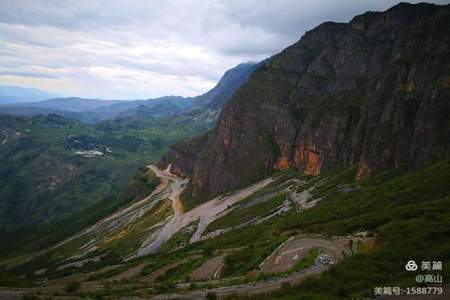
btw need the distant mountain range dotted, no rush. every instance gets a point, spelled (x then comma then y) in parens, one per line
(96, 110)
(49, 157)
(73, 104)
(15, 94)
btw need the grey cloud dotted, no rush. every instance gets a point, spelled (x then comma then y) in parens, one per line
(132, 48)
(79, 14)
(27, 74)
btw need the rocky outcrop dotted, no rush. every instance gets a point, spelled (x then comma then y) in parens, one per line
(182, 156)
(373, 93)
(216, 98)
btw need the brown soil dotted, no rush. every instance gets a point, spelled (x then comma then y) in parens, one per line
(208, 270)
(284, 258)
(131, 272)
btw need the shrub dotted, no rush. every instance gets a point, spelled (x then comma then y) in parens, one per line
(211, 296)
(72, 287)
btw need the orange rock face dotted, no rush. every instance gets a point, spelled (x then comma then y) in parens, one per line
(282, 163)
(411, 87)
(313, 163)
(307, 158)
(363, 172)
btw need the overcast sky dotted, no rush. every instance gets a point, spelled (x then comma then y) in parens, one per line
(141, 49)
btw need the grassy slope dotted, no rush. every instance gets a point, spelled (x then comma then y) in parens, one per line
(47, 180)
(408, 213)
(242, 215)
(86, 187)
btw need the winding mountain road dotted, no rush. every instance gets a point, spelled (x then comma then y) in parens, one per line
(204, 213)
(176, 186)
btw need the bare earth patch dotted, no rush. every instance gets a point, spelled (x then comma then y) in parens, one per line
(208, 270)
(285, 257)
(127, 274)
(205, 213)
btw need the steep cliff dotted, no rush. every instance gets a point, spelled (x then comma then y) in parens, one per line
(206, 109)
(373, 93)
(216, 98)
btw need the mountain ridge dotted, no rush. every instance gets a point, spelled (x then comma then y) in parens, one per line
(94, 111)
(54, 165)
(14, 94)
(329, 165)
(370, 93)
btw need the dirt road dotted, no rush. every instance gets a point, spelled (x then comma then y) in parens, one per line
(122, 218)
(278, 260)
(158, 238)
(129, 273)
(204, 213)
(285, 257)
(208, 270)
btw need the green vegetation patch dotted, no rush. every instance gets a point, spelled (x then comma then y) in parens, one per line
(260, 242)
(306, 261)
(410, 216)
(46, 170)
(181, 272)
(128, 240)
(240, 216)
(180, 239)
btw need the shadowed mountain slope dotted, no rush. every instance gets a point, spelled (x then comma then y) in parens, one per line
(372, 93)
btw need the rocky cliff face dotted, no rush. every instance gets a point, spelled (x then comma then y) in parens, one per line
(216, 98)
(373, 93)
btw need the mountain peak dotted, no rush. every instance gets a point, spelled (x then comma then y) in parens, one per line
(16, 94)
(370, 94)
(231, 80)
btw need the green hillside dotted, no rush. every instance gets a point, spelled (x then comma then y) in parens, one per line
(392, 217)
(52, 167)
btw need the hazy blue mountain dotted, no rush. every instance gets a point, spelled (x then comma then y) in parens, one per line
(207, 107)
(15, 94)
(73, 104)
(225, 88)
(95, 110)
(161, 106)
(202, 110)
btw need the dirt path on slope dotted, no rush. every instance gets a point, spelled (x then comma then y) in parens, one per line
(124, 216)
(208, 270)
(279, 260)
(152, 277)
(204, 213)
(221, 206)
(285, 257)
(158, 238)
(129, 273)
(177, 186)
(249, 288)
